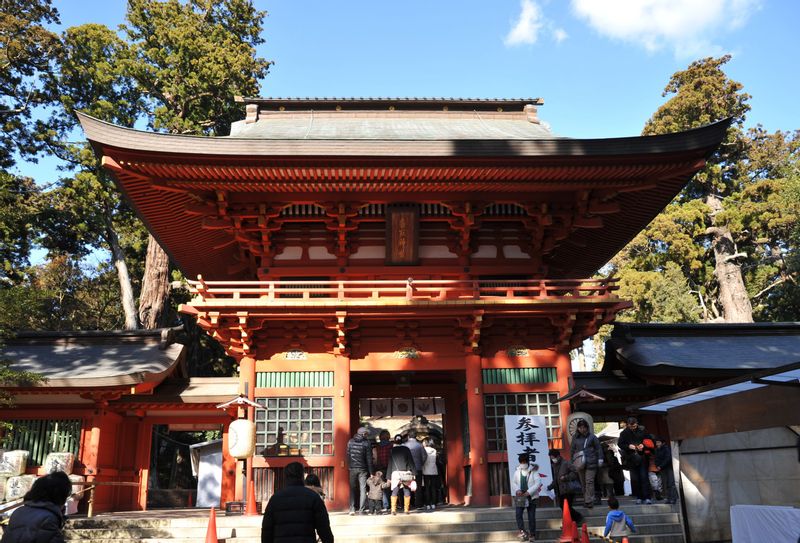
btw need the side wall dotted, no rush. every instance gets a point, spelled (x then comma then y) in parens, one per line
(757, 467)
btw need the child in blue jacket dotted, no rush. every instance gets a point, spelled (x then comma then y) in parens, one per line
(617, 522)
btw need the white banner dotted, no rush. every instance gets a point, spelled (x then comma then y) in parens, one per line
(527, 434)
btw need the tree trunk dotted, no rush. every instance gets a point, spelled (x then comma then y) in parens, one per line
(125, 287)
(733, 296)
(155, 286)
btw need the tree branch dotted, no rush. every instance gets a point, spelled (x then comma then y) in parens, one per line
(782, 280)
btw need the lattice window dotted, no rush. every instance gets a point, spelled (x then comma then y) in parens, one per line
(270, 480)
(497, 406)
(295, 426)
(40, 437)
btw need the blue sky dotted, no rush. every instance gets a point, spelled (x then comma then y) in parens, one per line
(600, 65)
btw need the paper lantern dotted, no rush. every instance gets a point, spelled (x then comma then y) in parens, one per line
(241, 439)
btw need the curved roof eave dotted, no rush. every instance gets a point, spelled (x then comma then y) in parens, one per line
(110, 135)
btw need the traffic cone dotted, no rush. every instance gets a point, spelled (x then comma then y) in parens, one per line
(624, 540)
(566, 525)
(585, 534)
(211, 532)
(575, 537)
(250, 508)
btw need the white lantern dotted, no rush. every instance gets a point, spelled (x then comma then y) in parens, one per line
(241, 439)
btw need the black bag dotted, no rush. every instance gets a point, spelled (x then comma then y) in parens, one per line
(574, 487)
(633, 460)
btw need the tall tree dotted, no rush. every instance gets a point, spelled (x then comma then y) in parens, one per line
(90, 79)
(27, 53)
(704, 94)
(190, 59)
(729, 232)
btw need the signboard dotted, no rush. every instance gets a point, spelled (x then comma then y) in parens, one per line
(402, 234)
(528, 434)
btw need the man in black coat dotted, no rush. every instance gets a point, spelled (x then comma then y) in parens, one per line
(359, 460)
(295, 512)
(633, 459)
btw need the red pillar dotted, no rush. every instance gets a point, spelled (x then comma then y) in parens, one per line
(144, 441)
(228, 486)
(247, 376)
(341, 420)
(477, 432)
(455, 447)
(563, 372)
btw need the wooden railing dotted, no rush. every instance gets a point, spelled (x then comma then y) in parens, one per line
(409, 290)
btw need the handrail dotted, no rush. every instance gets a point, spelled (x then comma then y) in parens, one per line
(86, 488)
(409, 289)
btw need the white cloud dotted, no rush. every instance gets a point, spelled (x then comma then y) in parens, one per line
(559, 34)
(685, 26)
(530, 24)
(526, 28)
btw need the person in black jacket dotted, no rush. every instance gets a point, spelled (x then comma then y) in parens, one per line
(400, 473)
(40, 519)
(631, 447)
(665, 471)
(587, 457)
(359, 460)
(295, 512)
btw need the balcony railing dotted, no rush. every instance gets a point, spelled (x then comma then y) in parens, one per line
(403, 291)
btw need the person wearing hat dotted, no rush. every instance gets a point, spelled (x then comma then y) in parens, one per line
(359, 460)
(525, 488)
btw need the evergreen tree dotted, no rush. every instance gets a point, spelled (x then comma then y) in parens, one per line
(729, 232)
(189, 60)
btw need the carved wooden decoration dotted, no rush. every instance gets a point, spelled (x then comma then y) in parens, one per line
(402, 234)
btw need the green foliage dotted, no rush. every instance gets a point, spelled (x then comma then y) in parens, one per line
(18, 196)
(60, 295)
(658, 296)
(27, 50)
(190, 59)
(745, 190)
(703, 94)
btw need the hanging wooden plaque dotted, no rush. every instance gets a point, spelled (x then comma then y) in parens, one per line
(402, 234)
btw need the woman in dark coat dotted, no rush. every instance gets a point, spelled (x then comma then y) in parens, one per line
(40, 519)
(565, 483)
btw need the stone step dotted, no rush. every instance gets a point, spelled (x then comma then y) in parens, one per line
(658, 523)
(444, 514)
(549, 527)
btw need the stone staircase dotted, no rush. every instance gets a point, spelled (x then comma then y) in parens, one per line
(659, 523)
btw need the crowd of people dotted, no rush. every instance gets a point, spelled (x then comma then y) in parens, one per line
(593, 472)
(399, 471)
(403, 470)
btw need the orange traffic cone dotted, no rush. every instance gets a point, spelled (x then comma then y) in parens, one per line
(211, 532)
(250, 508)
(575, 537)
(566, 525)
(585, 534)
(624, 540)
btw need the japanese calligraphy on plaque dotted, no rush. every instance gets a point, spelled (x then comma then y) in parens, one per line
(402, 234)
(528, 434)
